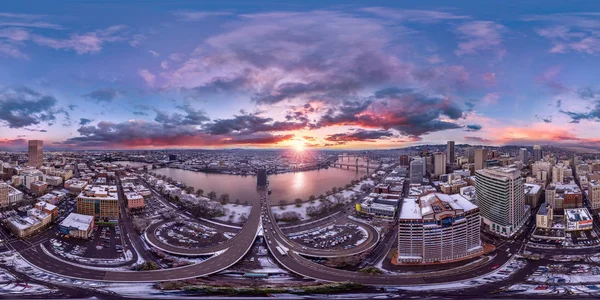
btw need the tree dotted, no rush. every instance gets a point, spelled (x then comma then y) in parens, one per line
(199, 192)
(189, 190)
(282, 204)
(212, 195)
(334, 190)
(224, 199)
(298, 202)
(237, 201)
(148, 266)
(312, 198)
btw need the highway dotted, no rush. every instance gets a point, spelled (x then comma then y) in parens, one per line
(240, 245)
(307, 268)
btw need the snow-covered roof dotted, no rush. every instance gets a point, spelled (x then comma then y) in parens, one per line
(79, 221)
(410, 209)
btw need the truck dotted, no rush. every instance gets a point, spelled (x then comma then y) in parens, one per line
(280, 250)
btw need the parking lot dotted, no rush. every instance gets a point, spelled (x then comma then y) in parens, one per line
(106, 243)
(334, 237)
(188, 234)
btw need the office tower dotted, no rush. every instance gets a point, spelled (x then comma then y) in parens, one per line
(537, 153)
(4, 188)
(558, 174)
(261, 178)
(470, 154)
(417, 170)
(172, 157)
(594, 194)
(404, 161)
(36, 153)
(501, 199)
(480, 158)
(437, 228)
(439, 160)
(450, 152)
(523, 155)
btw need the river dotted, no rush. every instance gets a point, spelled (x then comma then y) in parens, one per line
(287, 186)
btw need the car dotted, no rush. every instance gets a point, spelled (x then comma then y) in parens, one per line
(494, 267)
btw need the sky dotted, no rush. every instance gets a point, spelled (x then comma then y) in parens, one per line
(305, 74)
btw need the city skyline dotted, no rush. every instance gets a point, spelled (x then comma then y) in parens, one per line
(303, 75)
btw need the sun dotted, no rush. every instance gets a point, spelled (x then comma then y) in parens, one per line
(298, 145)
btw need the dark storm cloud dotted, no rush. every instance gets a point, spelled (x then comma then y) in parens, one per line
(191, 117)
(472, 127)
(84, 121)
(20, 107)
(102, 95)
(359, 135)
(249, 124)
(140, 133)
(411, 113)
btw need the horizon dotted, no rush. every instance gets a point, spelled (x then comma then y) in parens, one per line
(336, 76)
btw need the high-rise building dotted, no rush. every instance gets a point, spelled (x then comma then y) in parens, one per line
(404, 160)
(537, 153)
(480, 158)
(558, 173)
(4, 188)
(439, 161)
(36, 153)
(470, 154)
(501, 199)
(261, 178)
(417, 170)
(523, 155)
(594, 194)
(438, 227)
(450, 152)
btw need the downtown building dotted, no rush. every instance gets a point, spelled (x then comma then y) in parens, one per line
(438, 228)
(501, 199)
(99, 201)
(36, 153)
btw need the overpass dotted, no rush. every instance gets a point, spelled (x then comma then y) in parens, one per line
(236, 248)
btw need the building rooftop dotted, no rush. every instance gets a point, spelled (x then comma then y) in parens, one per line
(577, 214)
(79, 221)
(531, 189)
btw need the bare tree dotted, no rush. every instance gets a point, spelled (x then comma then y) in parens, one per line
(224, 199)
(212, 195)
(199, 192)
(298, 202)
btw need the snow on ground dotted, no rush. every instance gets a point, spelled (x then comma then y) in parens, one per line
(237, 210)
(292, 207)
(268, 266)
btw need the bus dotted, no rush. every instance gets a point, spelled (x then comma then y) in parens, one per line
(280, 250)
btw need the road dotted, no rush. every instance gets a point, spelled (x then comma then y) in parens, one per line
(240, 245)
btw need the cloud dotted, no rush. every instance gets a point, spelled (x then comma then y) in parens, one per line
(102, 95)
(358, 135)
(490, 98)
(568, 32)
(489, 78)
(84, 121)
(86, 43)
(411, 113)
(414, 15)
(479, 36)
(473, 128)
(278, 57)
(199, 15)
(21, 107)
(192, 117)
(137, 40)
(477, 139)
(12, 144)
(140, 113)
(148, 77)
(154, 53)
(550, 80)
(138, 133)
(245, 124)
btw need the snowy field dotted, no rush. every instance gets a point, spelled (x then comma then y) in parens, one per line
(237, 210)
